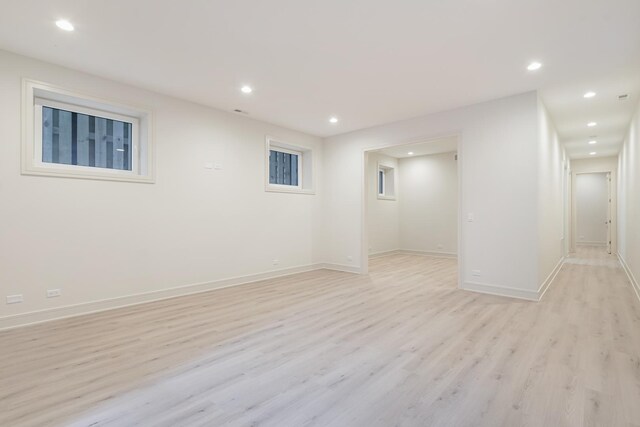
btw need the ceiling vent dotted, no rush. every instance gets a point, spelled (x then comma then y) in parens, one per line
(623, 97)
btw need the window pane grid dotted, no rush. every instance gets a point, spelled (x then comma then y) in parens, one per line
(82, 140)
(283, 168)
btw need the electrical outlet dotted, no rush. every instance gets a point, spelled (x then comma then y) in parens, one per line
(52, 293)
(470, 217)
(14, 299)
(276, 261)
(476, 273)
(349, 258)
(440, 246)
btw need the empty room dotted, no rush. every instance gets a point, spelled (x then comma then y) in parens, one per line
(339, 213)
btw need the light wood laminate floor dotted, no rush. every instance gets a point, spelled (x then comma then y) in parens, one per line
(401, 346)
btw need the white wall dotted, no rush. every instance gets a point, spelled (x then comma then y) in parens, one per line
(98, 240)
(592, 207)
(552, 208)
(429, 203)
(499, 184)
(383, 220)
(629, 196)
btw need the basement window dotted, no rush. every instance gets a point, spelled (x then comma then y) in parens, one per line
(386, 182)
(74, 136)
(289, 168)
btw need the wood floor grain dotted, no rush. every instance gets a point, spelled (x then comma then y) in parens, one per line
(399, 347)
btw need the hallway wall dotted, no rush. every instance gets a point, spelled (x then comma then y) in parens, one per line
(629, 196)
(552, 164)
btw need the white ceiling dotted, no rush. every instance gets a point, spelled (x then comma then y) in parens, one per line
(571, 112)
(436, 146)
(366, 61)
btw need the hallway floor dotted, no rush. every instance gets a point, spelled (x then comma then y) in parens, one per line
(401, 346)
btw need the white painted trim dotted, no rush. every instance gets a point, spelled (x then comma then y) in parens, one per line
(23, 319)
(364, 181)
(35, 91)
(301, 151)
(435, 254)
(584, 243)
(550, 278)
(384, 253)
(503, 291)
(634, 282)
(341, 267)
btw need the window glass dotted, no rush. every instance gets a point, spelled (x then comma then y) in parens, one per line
(283, 168)
(72, 138)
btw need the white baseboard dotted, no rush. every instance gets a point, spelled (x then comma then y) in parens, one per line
(437, 254)
(39, 316)
(524, 294)
(341, 267)
(632, 278)
(502, 291)
(591, 243)
(384, 253)
(414, 252)
(550, 278)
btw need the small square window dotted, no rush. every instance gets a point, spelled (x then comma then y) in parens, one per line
(289, 168)
(284, 167)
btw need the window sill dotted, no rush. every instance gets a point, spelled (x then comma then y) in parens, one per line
(391, 198)
(52, 172)
(272, 189)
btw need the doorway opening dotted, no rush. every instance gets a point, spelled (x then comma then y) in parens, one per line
(412, 199)
(593, 210)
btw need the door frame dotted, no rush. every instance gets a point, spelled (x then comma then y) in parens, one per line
(612, 244)
(364, 239)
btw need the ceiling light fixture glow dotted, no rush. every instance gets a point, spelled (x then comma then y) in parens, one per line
(410, 153)
(534, 66)
(589, 94)
(593, 141)
(593, 153)
(333, 120)
(592, 124)
(63, 24)
(246, 89)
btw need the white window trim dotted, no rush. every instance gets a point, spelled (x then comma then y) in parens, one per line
(384, 168)
(38, 94)
(277, 145)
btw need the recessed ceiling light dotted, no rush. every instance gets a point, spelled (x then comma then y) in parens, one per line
(592, 124)
(534, 66)
(333, 120)
(593, 141)
(246, 89)
(410, 153)
(593, 153)
(589, 94)
(63, 24)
